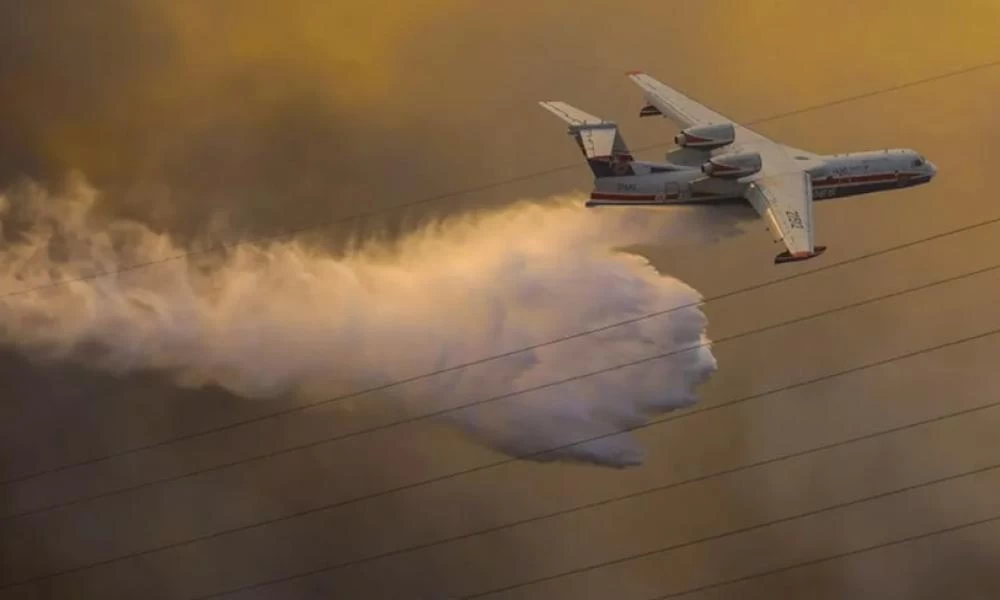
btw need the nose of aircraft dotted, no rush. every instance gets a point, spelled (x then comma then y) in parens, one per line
(931, 169)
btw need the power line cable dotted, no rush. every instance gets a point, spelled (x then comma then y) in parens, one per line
(738, 531)
(832, 557)
(491, 399)
(604, 502)
(383, 387)
(507, 354)
(366, 497)
(478, 188)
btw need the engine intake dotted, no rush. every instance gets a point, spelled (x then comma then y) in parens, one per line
(706, 137)
(732, 166)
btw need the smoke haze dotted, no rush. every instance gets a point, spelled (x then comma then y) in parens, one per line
(203, 122)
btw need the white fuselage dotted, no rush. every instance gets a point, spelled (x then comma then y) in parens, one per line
(833, 176)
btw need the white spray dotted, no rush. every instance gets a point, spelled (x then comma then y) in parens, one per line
(285, 318)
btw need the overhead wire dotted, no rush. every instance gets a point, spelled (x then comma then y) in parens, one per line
(528, 348)
(801, 515)
(491, 399)
(840, 555)
(387, 386)
(741, 530)
(313, 225)
(758, 286)
(687, 414)
(612, 500)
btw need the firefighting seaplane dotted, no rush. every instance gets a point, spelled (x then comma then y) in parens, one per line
(720, 161)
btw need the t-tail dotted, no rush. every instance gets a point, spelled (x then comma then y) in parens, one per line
(599, 140)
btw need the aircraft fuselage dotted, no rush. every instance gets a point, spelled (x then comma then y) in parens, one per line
(832, 176)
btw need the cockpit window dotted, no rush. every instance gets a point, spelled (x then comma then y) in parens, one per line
(918, 162)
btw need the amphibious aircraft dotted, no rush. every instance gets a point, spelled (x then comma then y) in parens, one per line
(718, 160)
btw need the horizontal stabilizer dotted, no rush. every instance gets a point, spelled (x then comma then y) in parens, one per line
(572, 115)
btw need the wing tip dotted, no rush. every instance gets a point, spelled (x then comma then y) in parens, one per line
(787, 257)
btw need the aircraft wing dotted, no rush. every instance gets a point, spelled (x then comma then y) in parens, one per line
(686, 112)
(784, 200)
(781, 192)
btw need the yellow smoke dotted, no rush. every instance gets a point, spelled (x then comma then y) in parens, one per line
(804, 51)
(328, 40)
(123, 85)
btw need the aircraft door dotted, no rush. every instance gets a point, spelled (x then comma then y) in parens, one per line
(684, 195)
(673, 191)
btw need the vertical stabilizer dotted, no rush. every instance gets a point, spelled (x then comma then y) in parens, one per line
(599, 140)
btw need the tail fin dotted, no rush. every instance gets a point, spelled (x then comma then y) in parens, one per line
(599, 140)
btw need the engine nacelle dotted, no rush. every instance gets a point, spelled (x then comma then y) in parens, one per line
(706, 137)
(732, 166)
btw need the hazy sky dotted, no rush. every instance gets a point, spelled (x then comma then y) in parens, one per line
(264, 115)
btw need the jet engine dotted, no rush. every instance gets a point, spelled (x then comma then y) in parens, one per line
(706, 137)
(732, 166)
